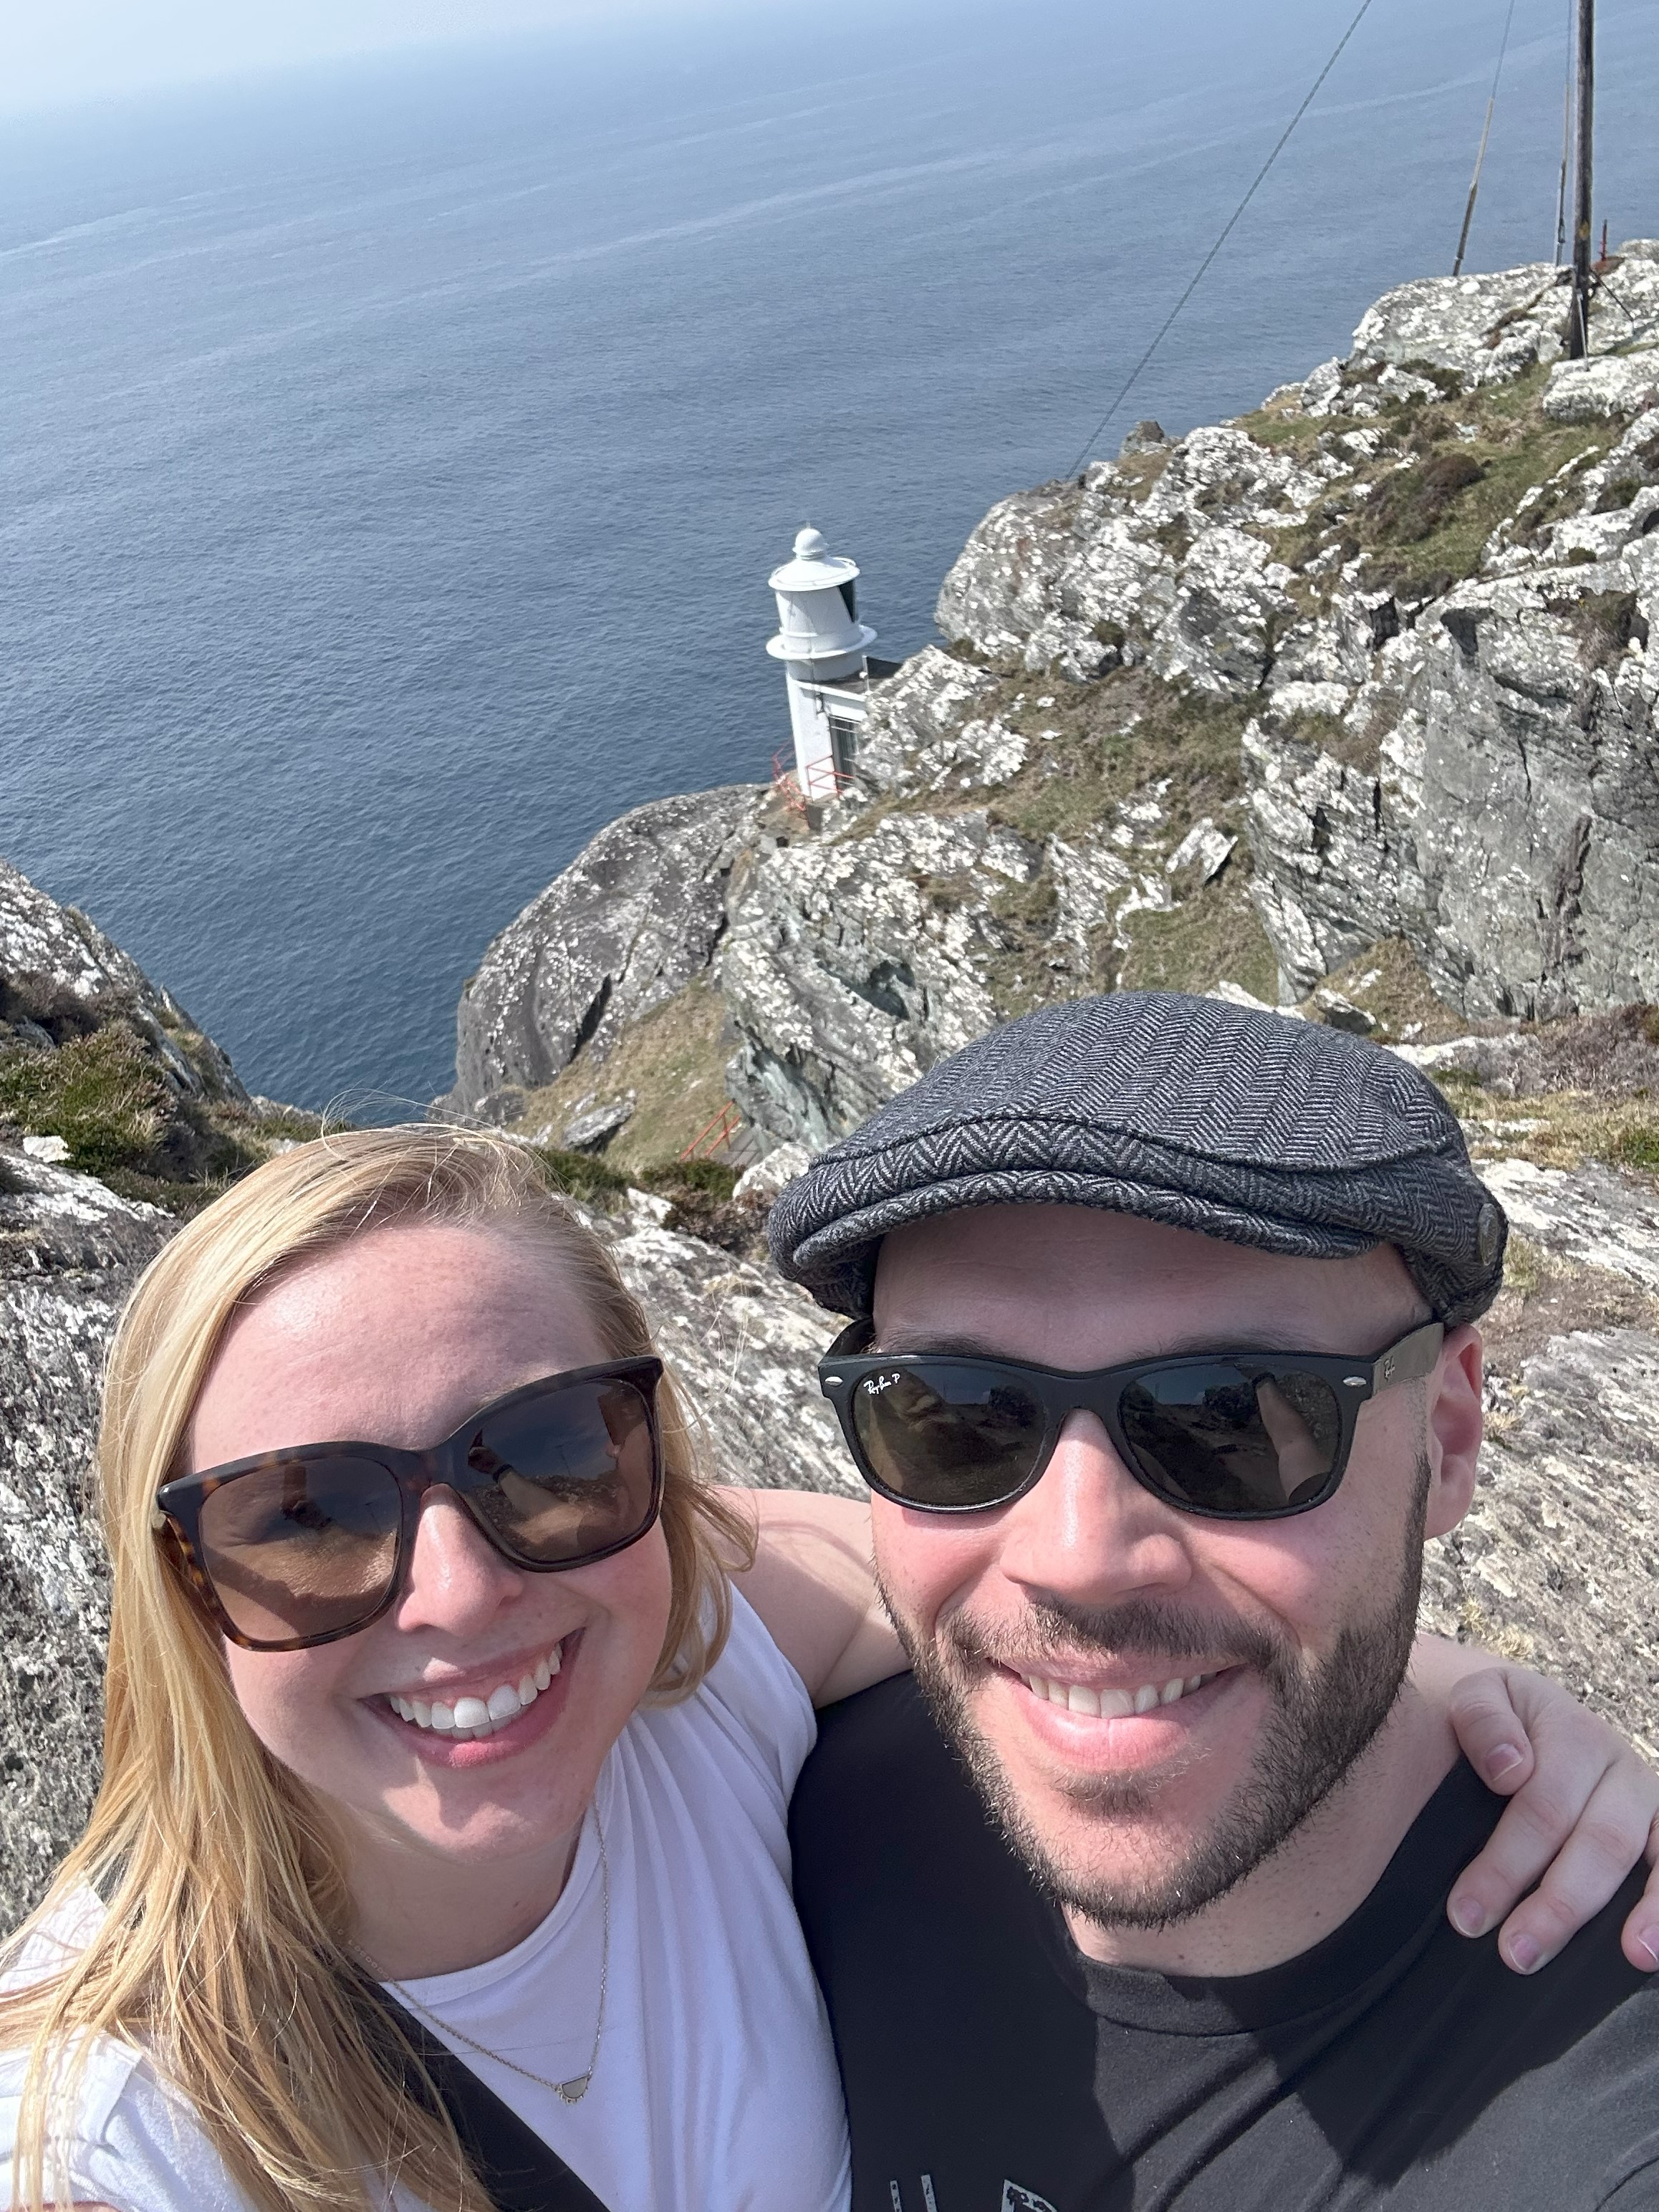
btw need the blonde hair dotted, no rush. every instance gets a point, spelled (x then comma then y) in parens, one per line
(224, 1945)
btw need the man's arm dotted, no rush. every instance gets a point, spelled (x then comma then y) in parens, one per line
(1584, 1809)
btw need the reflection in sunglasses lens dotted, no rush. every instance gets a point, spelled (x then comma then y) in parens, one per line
(573, 1471)
(302, 1548)
(947, 1434)
(1227, 1440)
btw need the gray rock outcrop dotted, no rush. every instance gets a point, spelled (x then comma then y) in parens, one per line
(1374, 664)
(629, 922)
(70, 1252)
(61, 977)
(1558, 1561)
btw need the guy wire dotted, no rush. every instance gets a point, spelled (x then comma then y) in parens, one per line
(1485, 133)
(1128, 382)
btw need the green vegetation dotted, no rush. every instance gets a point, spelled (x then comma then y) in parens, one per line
(673, 1062)
(105, 1093)
(1387, 981)
(1556, 1128)
(1446, 472)
(1213, 937)
(101, 1093)
(583, 1177)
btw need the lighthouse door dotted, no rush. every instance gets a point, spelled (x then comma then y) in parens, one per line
(844, 744)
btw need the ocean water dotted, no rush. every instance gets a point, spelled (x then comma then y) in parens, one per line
(392, 458)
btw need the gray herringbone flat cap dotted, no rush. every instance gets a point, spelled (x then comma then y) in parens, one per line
(1228, 1120)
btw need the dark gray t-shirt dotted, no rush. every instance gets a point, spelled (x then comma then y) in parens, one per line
(989, 2067)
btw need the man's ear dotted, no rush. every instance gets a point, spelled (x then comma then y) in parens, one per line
(1454, 1423)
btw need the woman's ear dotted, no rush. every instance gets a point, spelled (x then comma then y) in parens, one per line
(1455, 1425)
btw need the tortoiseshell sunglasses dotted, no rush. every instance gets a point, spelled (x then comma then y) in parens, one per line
(295, 1547)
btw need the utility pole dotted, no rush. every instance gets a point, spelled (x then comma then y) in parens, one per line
(1579, 314)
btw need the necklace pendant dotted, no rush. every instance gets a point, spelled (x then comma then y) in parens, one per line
(575, 2089)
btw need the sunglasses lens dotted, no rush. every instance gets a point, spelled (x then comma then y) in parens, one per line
(304, 1547)
(1226, 1438)
(574, 1472)
(946, 1433)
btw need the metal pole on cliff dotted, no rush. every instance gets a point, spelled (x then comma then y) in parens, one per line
(1578, 315)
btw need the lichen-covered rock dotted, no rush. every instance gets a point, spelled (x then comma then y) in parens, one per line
(633, 918)
(61, 977)
(1507, 822)
(1484, 328)
(852, 964)
(70, 1252)
(1597, 390)
(1558, 1560)
(745, 1344)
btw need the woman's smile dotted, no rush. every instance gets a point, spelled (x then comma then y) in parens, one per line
(462, 1723)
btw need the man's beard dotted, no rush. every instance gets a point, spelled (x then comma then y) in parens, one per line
(1320, 1718)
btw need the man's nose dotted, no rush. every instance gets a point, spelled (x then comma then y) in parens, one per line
(1087, 1531)
(458, 1580)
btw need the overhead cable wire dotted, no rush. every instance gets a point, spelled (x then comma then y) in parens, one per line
(1129, 382)
(1485, 133)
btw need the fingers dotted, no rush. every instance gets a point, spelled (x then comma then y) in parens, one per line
(1641, 1937)
(1494, 1739)
(1579, 1876)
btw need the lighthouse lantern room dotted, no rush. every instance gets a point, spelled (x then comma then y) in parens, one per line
(823, 646)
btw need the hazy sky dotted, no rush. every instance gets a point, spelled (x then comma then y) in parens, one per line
(71, 50)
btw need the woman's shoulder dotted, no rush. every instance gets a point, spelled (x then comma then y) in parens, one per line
(127, 2141)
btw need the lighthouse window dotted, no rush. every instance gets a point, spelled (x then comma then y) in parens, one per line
(843, 743)
(850, 592)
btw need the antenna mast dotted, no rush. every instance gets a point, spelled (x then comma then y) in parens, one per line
(1578, 315)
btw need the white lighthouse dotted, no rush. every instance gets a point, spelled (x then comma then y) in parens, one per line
(823, 646)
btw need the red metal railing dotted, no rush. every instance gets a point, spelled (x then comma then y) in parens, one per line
(823, 784)
(714, 1136)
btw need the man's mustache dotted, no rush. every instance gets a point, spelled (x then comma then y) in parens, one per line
(1051, 1628)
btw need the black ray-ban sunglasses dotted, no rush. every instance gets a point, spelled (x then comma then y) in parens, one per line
(1233, 1436)
(292, 1548)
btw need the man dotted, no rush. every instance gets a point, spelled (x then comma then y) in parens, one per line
(1168, 1370)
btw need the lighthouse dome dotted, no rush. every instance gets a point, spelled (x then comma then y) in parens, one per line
(811, 544)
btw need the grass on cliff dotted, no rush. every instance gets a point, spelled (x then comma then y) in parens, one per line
(1214, 936)
(1556, 1128)
(104, 1095)
(1387, 982)
(1447, 471)
(673, 1060)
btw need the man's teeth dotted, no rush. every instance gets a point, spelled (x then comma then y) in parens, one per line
(471, 1717)
(1113, 1704)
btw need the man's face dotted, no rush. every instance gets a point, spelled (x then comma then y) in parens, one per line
(1301, 1629)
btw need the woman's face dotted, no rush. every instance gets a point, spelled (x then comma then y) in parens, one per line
(395, 1338)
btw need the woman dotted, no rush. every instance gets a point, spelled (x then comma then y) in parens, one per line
(463, 1718)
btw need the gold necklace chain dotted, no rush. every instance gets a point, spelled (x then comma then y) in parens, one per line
(575, 2089)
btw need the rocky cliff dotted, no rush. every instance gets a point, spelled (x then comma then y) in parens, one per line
(1368, 668)
(1347, 705)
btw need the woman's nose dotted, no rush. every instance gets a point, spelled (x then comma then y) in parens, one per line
(458, 1580)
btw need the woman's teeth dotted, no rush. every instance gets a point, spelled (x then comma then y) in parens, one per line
(467, 1718)
(1113, 1704)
